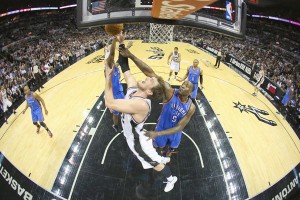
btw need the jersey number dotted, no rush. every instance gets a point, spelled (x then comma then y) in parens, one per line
(174, 118)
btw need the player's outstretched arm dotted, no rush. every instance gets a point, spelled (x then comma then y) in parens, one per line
(179, 57)
(111, 57)
(123, 62)
(25, 108)
(185, 76)
(148, 71)
(40, 99)
(201, 78)
(131, 106)
(180, 126)
(168, 62)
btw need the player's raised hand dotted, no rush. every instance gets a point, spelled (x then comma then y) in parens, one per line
(125, 52)
(121, 37)
(130, 44)
(150, 134)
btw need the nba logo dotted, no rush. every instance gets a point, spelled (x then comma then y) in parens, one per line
(229, 13)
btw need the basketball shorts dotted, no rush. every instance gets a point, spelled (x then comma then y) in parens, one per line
(175, 66)
(172, 141)
(143, 149)
(37, 115)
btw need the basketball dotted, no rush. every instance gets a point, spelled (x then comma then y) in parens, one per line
(113, 29)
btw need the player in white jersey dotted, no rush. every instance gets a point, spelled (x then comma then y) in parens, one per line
(261, 79)
(136, 108)
(175, 63)
(5, 102)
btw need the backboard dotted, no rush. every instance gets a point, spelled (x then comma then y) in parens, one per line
(225, 16)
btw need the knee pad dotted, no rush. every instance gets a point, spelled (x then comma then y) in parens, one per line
(176, 73)
(35, 123)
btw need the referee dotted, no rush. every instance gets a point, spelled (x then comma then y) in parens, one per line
(219, 56)
(37, 76)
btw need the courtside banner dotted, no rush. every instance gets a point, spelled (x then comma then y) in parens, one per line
(15, 185)
(177, 9)
(283, 189)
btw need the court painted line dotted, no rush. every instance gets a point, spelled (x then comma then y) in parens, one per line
(92, 131)
(202, 164)
(227, 186)
(87, 149)
(107, 147)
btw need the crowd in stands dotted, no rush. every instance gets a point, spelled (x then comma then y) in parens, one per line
(52, 41)
(52, 44)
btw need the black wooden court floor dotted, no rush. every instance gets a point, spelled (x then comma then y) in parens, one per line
(121, 176)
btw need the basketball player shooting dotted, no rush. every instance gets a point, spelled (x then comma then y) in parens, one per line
(175, 63)
(135, 109)
(176, 113)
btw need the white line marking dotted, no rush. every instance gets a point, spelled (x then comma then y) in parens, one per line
(227, 187)
(100, 103)
(199, 152)
(86, 150)
(105, 152)
(92, 131)
(202, 164)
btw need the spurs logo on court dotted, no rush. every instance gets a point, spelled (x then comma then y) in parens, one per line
(257, 112)
(192, 51)
(97, 59)
(159, 53)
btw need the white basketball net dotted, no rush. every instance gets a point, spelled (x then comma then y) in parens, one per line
(161, 33)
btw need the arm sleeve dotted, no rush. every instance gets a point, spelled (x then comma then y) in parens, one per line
(201, 79)
(123, 61)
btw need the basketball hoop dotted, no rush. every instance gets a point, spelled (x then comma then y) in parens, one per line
(161, 33)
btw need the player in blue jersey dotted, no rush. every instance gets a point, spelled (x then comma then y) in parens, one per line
(176, 113)
(116, 84)
(193, 74)
(286, 99)
(118, 94)
(34, 102)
